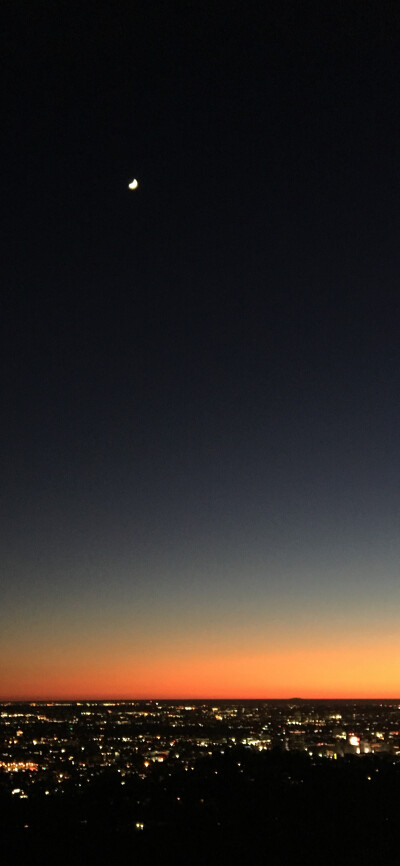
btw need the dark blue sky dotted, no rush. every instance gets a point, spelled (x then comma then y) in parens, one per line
(200, 379)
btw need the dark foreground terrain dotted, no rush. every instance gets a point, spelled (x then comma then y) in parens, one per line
(273, 807)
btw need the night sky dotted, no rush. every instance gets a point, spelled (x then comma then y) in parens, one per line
(200, 434)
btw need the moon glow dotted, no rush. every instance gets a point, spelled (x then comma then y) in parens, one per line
(134, 184)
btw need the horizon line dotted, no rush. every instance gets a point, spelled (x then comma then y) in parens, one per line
(77, 700)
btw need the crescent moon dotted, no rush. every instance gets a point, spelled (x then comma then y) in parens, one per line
(133, 185)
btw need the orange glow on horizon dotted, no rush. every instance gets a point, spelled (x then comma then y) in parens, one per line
(324, 672)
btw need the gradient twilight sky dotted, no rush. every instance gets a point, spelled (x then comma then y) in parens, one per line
(200, 431)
